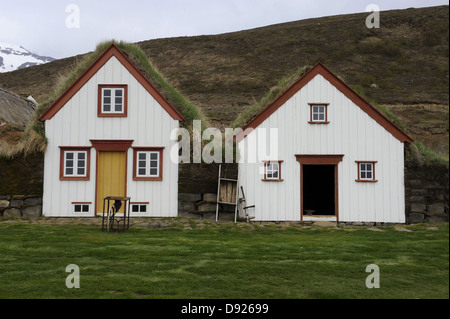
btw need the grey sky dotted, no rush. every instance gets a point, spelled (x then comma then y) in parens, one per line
(40, 26)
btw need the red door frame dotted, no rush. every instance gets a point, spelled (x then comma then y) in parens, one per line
(333, 160)
(111, 146)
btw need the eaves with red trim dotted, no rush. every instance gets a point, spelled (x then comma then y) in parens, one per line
(111, 51)
(319, 68)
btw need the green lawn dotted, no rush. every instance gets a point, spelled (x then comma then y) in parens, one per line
(206, 260)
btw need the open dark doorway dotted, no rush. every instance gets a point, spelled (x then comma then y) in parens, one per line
(319, 190)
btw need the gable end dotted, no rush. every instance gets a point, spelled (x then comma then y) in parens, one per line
(319, 68)
(111, 51)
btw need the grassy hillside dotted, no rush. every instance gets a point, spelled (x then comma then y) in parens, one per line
(407, 59)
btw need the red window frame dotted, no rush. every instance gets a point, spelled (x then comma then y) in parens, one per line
(373, 179)
(279, 179)
(62, 164)
(100, 112)
(312, 105)
(137, 150)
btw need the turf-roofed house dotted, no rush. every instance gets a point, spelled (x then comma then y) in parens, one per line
(337, 157)
(108, 134)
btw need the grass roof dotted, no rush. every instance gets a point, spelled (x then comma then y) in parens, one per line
(35, 131)
(248, 114)
(417, 154)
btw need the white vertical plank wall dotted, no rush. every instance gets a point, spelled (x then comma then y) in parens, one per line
(351, 132)
(148, 124)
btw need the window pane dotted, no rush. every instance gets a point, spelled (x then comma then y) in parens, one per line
(141, 171)
(363, 174)
(81, 156)
(106, 108)
(153, 164)
(142, 156)
(69, 163)
(315, 117)
(154, 156)
(85, 208)
(81, 163)
(269, 175)
(275, 174)
(106, 92)
(69, 171)
(135, 208)
(77, 208)
(153, 172)
(321, 117)
(369, 175)
(315, 109)
(106, 100)
(69, 155)
(363, 167)
(80, 171)
(119, 92)
(143, 208)
(142, 164)
(118, 108)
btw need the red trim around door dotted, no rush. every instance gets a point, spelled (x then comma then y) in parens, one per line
(320, 160)
(111, 146)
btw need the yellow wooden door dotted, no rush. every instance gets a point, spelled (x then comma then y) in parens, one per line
(111, 177)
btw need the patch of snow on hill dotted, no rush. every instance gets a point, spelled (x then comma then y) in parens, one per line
(14, 57)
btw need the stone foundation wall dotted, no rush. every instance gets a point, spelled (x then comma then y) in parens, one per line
(203, 206)
(427, 194)
(21, 206)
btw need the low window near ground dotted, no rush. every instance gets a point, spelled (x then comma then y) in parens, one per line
(138, 208)
(81, 208)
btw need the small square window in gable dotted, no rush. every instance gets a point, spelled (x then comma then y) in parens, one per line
(318, 113)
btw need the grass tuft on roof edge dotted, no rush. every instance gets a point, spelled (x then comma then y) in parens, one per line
(248, 114)
(133, 51)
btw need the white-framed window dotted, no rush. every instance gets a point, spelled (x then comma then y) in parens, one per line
(272, 171)
(366, 171)
(75, 163)
(148, 163)
(112, 101)
(138, 208)
(319, 113)
(79, 208)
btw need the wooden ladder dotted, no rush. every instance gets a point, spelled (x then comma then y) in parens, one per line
(227, 193)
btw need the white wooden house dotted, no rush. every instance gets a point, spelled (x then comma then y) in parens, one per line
(108, 134)
(338, 158)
